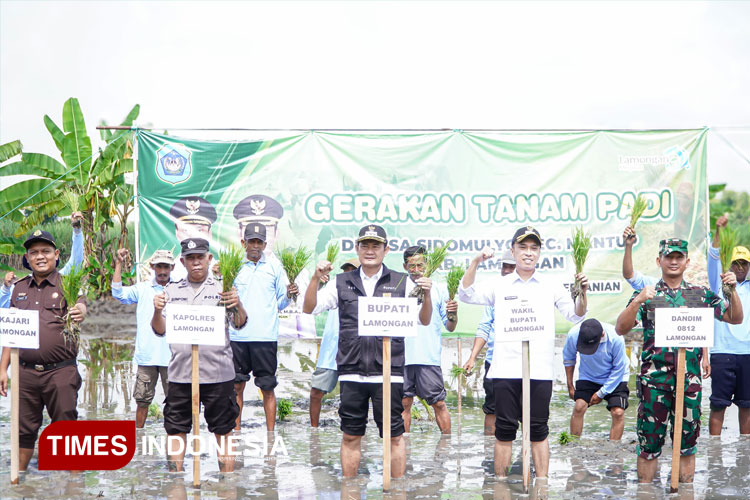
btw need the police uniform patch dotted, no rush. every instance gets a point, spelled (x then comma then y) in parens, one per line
(22, 296)
(37, 233)
(191, 244)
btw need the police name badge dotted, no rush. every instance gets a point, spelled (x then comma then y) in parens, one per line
(19, 328)
(388, 316)
(684, 327)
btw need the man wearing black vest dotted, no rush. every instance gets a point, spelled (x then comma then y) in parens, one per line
(360, 359)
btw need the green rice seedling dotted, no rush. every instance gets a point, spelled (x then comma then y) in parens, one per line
(727, 242)
(72, 287)
(293, 262)
(332, 253)
(639, 206)
(580, 250)
(230, 263)
(433, 261)
(284, 408)
(567, 438)
(452, 281)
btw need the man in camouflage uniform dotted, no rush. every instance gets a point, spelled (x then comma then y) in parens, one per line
(658, 365)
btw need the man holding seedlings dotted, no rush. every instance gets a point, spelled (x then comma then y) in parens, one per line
(325, 377)
(505, 370)
(75, 260)
(730, 355)
(151, 353)
(603, 373)
(658, 365)
(262, 287)
(216, 373)
(359, 359)
(486, 335)
(422, 354)
(48, 375)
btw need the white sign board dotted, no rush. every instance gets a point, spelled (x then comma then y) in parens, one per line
(523, 317)
(388, 316)
(199, 325)
(684, 327)
(19, 328)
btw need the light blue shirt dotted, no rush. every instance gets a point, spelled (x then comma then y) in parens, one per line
(729, 339)
(640, 281)
(76, 259)
(329, 346)
(608, 366)
(426, 348)
(261, 287)
(486, 331)
(150, 349)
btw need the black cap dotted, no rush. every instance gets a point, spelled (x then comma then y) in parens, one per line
(589, 336)
(258, 208)
(255, 231)
(372, 232)
(526, 232)
(38, 235)
(193, 209)
(194, 245)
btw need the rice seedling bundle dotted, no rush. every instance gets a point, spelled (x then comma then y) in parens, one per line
(580, 250)
(72, 286)
(294, 261)
(727, 242)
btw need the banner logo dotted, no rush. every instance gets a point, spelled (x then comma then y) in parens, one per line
(677, 159)
(173, 163)
(87, 445)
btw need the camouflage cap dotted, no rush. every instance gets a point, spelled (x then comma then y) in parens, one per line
(162, 257)
(673, 245)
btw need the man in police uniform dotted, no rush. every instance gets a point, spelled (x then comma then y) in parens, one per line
(658, 367)
(259, 208)
(193, 217)
(359, 359)
(216, 375)
(48, 375)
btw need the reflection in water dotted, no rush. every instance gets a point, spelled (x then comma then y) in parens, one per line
(437, 466)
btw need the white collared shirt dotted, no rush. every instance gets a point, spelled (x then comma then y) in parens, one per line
(506, 360)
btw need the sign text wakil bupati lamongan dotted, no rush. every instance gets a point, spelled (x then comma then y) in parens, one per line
(19, 328)
(684, 327)
(522, 317)
(192, 324)
(388, 316)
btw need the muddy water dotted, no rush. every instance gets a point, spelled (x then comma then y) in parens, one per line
(305, 462)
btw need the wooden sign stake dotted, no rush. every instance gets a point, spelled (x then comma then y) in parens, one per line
(677, 427)
(460, 375)
(386, 413)
(526, 415)
(195, 386)
(14, 393)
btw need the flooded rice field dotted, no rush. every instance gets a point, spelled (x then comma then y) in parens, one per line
(301, 462)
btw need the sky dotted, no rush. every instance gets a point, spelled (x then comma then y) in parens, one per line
(456, 65)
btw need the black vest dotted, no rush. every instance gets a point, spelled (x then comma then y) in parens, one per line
(364, 355)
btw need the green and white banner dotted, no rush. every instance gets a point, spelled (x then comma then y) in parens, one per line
(473, 189)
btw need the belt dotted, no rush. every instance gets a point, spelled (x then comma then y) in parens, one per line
(51, 366)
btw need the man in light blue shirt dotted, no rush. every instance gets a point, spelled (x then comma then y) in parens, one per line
(263, 290)
(730, 355)
(423, 376)
(76, 259)
(603, 373)
(326, 376)
(486, 335)
(635, 279)
(152, 352)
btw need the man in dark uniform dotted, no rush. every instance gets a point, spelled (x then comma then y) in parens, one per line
(48, 375)
(359, 359)
(216, 373)
(193, 217)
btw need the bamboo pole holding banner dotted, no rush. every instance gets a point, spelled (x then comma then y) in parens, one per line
(14, 393)
(526, 415)
(386, 413)
(195, 388)
(460, 365)
(677, 426)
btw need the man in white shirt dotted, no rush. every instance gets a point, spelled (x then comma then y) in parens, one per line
(359, 359)
(523, 288)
